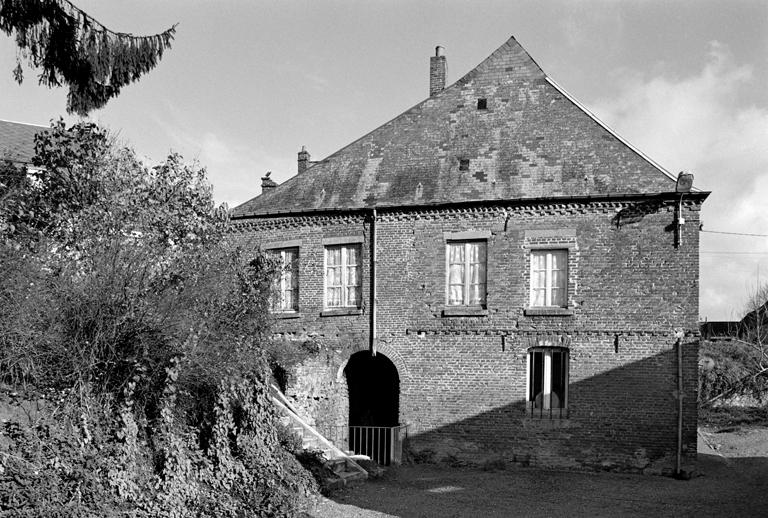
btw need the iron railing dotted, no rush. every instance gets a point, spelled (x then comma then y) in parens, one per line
(535, 410)
(383, 444)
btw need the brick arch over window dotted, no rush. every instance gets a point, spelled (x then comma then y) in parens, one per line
(386, 350)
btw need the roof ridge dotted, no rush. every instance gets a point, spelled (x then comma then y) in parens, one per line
(510, 44)
(26, 123)
(607, 128)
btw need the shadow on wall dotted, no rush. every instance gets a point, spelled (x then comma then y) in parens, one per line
(623, 419)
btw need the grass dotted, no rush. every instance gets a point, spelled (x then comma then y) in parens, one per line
(732, 416)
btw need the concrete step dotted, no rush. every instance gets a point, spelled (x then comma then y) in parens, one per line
(337, 465)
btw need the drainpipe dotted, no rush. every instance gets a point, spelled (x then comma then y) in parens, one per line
(679, 344)
(374, 337)
(680, 222)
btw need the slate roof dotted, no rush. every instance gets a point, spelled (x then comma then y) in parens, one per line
(17, 141)
(533, 141)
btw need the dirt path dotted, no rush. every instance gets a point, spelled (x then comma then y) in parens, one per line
(732, 481)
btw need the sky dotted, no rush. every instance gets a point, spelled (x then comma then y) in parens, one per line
(248, 82)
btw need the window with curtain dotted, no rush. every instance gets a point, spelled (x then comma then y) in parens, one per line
(286, 284)
(342, 276)
(466, 273)
(549, 278)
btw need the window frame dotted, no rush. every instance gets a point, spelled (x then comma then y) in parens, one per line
(545, 410)
(466, 281)
(281, 280)
(548, 277)
(344, 246)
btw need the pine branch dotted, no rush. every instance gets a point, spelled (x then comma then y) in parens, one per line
(71, 48)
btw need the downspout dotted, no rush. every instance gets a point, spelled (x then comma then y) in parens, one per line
(679, 458)
(374, 337)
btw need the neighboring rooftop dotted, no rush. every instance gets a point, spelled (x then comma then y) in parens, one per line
(504, 131)
(17, 141)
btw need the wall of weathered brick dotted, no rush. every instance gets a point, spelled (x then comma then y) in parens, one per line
(318, 386)
(463, 378)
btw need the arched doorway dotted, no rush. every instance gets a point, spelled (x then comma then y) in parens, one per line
(374, 405)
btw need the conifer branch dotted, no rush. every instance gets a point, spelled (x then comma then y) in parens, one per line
(71, 48)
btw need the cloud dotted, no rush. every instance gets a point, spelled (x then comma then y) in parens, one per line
(698, 123)
(235, 169)
(234, 166)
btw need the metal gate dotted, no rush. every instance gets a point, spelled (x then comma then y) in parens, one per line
(383, 444)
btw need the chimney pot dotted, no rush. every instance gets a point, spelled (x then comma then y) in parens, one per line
(267, 183)
(303, 159)
(437, 66)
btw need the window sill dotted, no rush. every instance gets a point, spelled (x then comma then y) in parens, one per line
(546, 311)
(465, 311)
(285, 314)
(336, 312)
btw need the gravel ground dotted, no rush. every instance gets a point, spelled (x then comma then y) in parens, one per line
(731, 480)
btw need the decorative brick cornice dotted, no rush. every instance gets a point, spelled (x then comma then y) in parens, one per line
(266, 223)
(544, 332)
(559, 206)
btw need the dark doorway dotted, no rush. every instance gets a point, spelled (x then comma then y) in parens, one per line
(374, 390)
(374, 401)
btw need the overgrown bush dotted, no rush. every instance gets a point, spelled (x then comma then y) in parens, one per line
(121, 289)
(729, 367)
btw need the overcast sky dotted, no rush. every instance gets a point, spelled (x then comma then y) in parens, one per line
(248, 82)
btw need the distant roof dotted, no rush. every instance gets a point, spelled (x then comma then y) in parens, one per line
(17, 141)
(531, 141)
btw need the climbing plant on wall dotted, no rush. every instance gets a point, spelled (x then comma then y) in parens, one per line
(71, 48)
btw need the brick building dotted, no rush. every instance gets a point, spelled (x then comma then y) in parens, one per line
(497, 269)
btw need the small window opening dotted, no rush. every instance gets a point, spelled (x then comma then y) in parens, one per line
(548, 382)
(482, 104)
(464, 164)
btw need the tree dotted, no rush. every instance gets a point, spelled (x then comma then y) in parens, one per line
(739, 365)
(71, 48)
(117, 263)
(754, 326)
(123, 303)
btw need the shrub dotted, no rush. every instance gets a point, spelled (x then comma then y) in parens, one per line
(729, 367)
(121, 287)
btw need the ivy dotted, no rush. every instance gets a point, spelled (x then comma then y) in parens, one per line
(126, 304)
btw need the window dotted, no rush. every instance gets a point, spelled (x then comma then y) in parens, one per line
(286, 288)
(547, 381)
(549, 278)
(342, 276)
(482, 104)
(466, 273)
(464, 164)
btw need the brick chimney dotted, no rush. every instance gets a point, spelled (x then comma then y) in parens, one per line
(303, 159)
(267, 183)
(437, 72)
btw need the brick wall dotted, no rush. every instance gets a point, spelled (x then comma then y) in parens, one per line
(463, 378)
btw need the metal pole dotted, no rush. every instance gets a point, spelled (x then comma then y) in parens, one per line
(679, 405)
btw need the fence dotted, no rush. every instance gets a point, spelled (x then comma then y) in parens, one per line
(383, 444)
